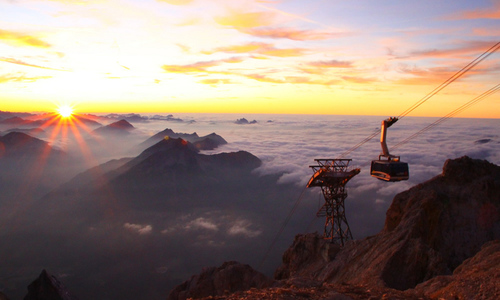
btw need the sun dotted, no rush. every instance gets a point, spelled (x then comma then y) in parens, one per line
(65, 111)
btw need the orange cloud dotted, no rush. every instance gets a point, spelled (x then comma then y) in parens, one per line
(331, 64)
(486, 32)
(20, 39)
(258, 48)
(290, 79)
(469, 48)
(263, 78)
(419, 76)
(177, 2)
(491, 13)
(215, 81)
(200, 67)
(246, 48)
(22, 63)
(284, 52)
(21, 78)
(287, 33)
(245, 20)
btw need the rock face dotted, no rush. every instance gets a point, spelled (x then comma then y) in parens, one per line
(3, 297)
(429, 231)
(47, 287)
(307, 253)
(228, 278)
(475, 278)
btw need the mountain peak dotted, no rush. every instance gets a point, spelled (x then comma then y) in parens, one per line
(17, 141)
(48, 287)
(122, 124)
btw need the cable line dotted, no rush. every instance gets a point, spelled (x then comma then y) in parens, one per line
(449, 115)
(450, 80)
(287, 219)
(455, 76)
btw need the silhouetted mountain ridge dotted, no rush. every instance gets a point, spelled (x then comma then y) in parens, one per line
(208, 142)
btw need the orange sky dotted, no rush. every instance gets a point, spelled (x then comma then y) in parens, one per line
(247, 56)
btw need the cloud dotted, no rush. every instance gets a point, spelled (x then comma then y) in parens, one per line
(200, 67)
(20, 78)
(215, 81)
(464, 49)
(242, 227)
(20, 39)
(489, 13)
(202, 223)
(138, 228)
(287, 33)
(331, 64)
(258, 48)
(22, 63)
(242, 20)
(263, 78)
(177, 2)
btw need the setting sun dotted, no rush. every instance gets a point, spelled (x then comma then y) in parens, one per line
(65, 111)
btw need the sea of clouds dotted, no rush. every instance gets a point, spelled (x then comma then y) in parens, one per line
(290, 143)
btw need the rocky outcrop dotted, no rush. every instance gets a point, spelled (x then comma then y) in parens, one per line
(475, 278)
(429, 231)
(308, 253)
(226, 279)
(3, 297)
(48, 287)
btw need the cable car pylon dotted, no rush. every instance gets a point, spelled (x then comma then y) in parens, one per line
(332, 175)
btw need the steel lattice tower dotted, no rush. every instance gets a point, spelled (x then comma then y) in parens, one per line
(332, 175)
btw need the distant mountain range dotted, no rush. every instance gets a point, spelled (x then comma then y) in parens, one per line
(207, 142)
(167, 191)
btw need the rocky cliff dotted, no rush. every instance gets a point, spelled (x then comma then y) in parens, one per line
(429, 231)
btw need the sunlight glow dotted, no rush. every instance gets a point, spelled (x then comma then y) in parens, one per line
(65, 111)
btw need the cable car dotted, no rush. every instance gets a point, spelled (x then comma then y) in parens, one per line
(390, 168)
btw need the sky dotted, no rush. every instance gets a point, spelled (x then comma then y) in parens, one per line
(247, 56)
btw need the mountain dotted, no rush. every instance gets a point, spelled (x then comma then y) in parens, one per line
(13, 121)
(48, 287)
(148, 222)
(230, 277)
(208, 142)
(22, 145)
(30, 167)
(440, 240)
(118, 128)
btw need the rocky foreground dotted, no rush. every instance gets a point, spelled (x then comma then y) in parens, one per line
(441, 240)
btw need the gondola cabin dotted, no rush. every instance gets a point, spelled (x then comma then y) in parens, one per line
(389, 170)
